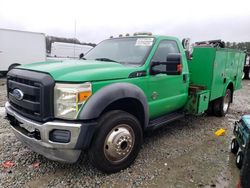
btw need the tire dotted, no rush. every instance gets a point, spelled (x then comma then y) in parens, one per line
(246, 72)
(12, 66)
(239, 159)
(210, 110)
(234, 146)
(116, 143)
(221, 105)
(243, 75)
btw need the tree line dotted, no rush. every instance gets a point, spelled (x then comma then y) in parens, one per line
(240, 45)
(50, 39)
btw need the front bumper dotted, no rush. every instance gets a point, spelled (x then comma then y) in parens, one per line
(80, 136)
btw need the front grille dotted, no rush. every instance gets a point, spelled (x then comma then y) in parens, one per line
(37, 89)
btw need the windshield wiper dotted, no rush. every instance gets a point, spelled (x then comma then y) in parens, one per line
(105, 59)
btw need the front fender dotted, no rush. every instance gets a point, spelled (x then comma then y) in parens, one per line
(109, 94)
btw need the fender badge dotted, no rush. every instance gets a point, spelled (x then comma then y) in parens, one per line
(154, 95)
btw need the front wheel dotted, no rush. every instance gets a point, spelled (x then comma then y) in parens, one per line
(116, 143)
(221, 105)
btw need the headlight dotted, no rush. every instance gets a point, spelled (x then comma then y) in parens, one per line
(68, 99)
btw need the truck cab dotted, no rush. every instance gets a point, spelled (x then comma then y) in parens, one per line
(103, 103)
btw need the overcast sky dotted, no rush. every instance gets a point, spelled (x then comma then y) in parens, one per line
(97, 20)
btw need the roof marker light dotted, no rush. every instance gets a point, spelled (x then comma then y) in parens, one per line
(142, 33)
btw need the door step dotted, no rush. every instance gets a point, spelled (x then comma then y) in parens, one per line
(163, 120)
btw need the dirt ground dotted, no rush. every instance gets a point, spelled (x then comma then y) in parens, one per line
(185, 153)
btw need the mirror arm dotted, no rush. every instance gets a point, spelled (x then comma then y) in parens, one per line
(153, 72)
(155, 63)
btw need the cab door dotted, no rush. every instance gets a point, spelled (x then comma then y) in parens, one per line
(167, 93)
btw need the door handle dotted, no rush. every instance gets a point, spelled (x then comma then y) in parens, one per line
(184, 78)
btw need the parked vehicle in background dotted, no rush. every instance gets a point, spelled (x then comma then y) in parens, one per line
(245, 171)
(20, 47)
(241, 138)
(68, 50)
(123, 87)
(246, 72)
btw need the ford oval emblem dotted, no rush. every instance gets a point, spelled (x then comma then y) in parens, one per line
(18, 94)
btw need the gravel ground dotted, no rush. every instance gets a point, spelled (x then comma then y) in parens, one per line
(2, 92)
(185, 153)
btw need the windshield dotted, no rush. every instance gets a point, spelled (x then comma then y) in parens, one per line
(122, 50)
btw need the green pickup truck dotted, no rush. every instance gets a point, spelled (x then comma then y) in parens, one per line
(103, 103)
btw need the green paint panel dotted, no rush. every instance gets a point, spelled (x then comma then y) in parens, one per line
(215, 68)
(203, 100)
(201, 67)
(219, 71)
(198, 102)
(82, 70)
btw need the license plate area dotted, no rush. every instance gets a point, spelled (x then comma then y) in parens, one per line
(24, 128)
(28, 127)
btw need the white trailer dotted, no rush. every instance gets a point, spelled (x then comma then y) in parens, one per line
(68, 50)
(20, 47)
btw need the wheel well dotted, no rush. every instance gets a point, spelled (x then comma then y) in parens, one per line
(231, 87)
(128, 105)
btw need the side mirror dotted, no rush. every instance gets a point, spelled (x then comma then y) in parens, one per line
(172, 66)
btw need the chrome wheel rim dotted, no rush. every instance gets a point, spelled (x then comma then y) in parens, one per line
(226, 102)
(243, 75)
(119, 143)
(238, 159)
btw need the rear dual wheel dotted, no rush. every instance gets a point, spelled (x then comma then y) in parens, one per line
(243, 75)
(246, 74)
(221, 105)
(116, 143)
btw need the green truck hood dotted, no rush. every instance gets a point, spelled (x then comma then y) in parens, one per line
(81, 70)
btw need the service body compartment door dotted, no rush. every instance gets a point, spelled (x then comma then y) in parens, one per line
(203, 100)
(219, 75)
(241, 61)
(198, 102)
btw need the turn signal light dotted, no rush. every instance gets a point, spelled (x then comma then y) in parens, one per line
(83, 96)
(179, 68)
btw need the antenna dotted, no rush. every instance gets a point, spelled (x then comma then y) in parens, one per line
(75, 41)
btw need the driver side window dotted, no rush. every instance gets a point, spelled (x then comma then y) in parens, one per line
(165, 47)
